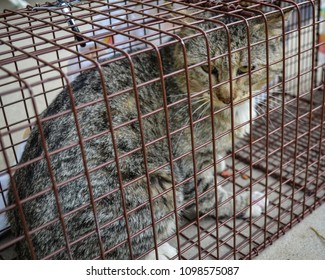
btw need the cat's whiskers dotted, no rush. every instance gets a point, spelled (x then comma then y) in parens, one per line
(177, 95)
(204, 110)
(195, 101)
(279, 103)
(274, 102)
(206, 102)
(260, 110)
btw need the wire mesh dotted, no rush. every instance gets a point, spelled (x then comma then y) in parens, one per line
(45, 49)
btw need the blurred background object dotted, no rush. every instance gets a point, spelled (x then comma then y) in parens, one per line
(17, 4)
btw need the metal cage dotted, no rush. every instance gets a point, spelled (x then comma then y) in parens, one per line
(44, 48)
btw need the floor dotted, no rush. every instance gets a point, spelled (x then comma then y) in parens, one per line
(301, 242)
(305, 241)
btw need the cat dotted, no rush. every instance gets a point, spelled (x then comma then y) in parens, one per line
(75, 191)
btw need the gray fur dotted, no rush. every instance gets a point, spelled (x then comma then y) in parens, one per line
(100, 156)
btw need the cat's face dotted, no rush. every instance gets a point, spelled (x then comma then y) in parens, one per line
(245, 74)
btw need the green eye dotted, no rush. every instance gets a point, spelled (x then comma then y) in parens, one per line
(244, 69)
(214, 71)
(205, 68)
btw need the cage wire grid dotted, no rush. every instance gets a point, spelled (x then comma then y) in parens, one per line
(44, 48)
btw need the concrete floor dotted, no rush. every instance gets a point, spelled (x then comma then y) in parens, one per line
(301, 242)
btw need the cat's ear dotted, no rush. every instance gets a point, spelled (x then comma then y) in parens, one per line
(276, 22)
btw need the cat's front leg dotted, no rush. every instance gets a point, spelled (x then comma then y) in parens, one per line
(165, 252)
(225, 200)
(221, 166)
(242, 201)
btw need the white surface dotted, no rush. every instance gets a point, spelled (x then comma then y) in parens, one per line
(300, 242)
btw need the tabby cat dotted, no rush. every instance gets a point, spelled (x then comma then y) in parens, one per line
(118, 156)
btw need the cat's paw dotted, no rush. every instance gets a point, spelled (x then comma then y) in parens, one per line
(226, 173)
(165, 252)
(221, 166)
(258, 206)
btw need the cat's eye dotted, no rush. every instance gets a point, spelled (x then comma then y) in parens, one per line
(214, 71)
(205, 68)
(244, 69)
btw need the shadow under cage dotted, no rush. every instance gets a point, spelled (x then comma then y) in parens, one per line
(159, 129)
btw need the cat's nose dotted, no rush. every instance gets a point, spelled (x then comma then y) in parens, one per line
(226, 100)
(224, 94)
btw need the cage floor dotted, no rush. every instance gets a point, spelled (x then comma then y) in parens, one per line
(292, 186)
